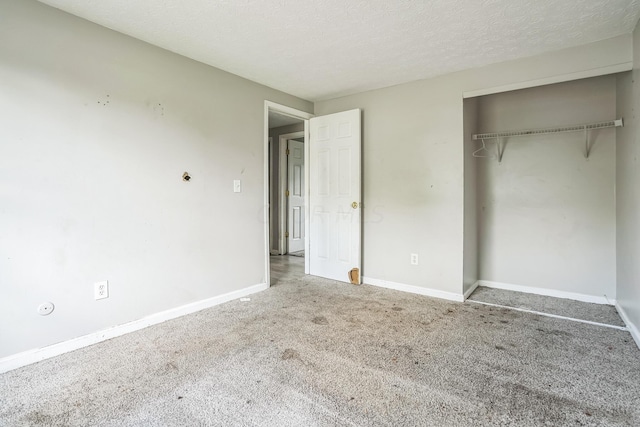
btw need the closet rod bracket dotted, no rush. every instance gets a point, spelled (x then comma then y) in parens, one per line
(499, 148)
(586, 143)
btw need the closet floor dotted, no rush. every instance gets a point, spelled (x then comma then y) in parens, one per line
(599, 313)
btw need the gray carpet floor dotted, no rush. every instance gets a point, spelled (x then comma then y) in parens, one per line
(312, 352)
(600, 313)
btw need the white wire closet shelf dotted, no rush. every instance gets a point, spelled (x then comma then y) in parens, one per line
(529, 132)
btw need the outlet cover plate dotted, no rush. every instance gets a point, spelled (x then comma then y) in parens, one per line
(101, 290)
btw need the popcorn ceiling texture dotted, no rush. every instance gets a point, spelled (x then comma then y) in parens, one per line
(324, 49)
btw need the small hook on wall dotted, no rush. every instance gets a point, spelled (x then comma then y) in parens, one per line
(185, 176)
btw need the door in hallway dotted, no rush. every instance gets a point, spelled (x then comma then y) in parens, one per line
(295, 199)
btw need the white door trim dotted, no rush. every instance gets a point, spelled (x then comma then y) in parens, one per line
(270, 160)
(302, 115)
(307, 175)
(282, 189)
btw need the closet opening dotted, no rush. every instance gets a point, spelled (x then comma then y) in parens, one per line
(540, 212)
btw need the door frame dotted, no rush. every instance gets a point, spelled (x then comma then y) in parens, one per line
(298, 114)
(282, 189)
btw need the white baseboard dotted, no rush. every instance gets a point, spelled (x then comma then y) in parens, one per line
(548, 292)
(471, 289)
(413, 289)
(31, 356)
(633, 329)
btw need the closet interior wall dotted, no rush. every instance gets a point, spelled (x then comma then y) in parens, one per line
(546, 215)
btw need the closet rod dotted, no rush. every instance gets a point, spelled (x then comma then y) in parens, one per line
(587, 127)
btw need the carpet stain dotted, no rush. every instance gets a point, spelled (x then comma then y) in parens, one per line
(167, 368)
(38, 418)
(320, 320)
(290, 354)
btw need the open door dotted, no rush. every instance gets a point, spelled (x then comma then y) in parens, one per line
(295, 196)
(335, 215)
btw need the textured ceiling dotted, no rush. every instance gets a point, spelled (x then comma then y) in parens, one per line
(328, 48)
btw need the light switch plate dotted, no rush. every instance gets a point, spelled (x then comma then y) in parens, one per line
(237, 186)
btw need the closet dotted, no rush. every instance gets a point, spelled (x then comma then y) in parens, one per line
(540, 189)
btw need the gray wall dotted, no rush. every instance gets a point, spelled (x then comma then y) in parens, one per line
(471, 272)
(546, 214)
(97, 130)
(628, 191)
(273, 184)
(413, 160)
(412, 182)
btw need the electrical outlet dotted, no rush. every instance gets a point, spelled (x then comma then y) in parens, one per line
(101, 290)
(414, 259)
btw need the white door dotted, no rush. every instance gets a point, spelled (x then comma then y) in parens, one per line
(295, 191)
(334, 196)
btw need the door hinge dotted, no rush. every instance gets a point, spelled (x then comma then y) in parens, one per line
(287, 193)
(286, 234)
(287, 151)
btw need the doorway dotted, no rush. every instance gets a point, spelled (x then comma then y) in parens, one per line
(332, 243)
(288, 194)
(286, 134)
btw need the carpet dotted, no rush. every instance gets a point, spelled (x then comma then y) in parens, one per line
(313, 352)
(605, 314)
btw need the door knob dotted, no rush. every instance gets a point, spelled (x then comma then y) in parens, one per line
(354, 205)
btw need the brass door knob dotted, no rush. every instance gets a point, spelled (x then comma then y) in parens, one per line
(354, 205)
